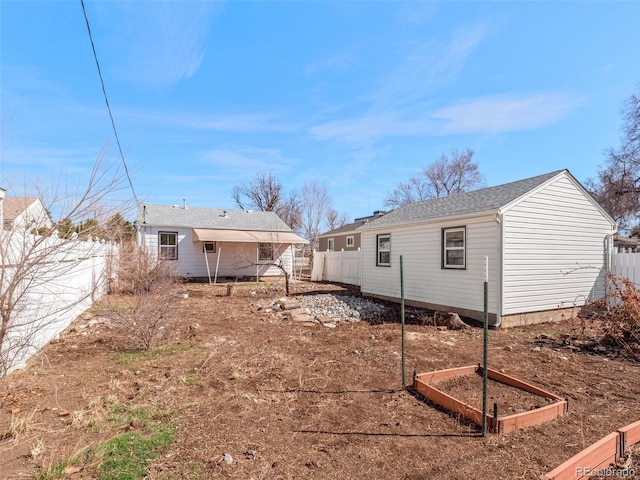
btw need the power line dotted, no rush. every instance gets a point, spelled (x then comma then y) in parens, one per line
(106, 99)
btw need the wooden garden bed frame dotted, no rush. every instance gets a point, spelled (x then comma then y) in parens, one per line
(599, 456)
(424, 384)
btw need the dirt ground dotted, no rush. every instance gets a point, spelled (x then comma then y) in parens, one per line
(283, 400)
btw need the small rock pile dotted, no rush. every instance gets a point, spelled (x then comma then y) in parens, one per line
(327, 309)
(342, 307)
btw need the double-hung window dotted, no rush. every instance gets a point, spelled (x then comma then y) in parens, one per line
(383, 250)
(330, 245)
(265, 251)
(454, 244)
(168, 245)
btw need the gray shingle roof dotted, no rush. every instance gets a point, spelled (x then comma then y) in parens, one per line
(485, 199)
(198, 217)
(349, 227)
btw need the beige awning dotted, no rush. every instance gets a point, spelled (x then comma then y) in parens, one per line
(245, 236)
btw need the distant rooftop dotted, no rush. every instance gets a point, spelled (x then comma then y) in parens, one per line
(214, 218)
(14, 206)
(357, 223)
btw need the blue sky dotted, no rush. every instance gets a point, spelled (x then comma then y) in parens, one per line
(360, 95)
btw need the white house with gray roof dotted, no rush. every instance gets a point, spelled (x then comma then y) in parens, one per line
(547, 241)
(210, 243)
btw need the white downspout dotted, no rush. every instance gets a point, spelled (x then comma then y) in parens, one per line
(500, 289)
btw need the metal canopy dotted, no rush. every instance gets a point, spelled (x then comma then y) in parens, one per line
(245, 236)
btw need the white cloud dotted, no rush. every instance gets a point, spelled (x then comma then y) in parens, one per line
(157, 43)
(245, 160)
(484, 115)
(218, 122)
(371, 126)
(504, 113)
(337, 61)
(398, 104)
(426, 67)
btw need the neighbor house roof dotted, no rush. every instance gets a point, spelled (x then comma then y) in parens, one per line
(466, 203)
(215, 221)
(353, 226)
(14, 206)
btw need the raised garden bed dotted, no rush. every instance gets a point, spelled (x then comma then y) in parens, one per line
(462, 396)
(616, 455)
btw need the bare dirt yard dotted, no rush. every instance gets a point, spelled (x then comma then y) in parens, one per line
(238, 390)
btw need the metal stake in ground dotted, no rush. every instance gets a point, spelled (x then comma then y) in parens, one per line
(404, 385)
(485, 348)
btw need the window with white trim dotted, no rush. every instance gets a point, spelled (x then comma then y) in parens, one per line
(330, 245)
(265, 251)
(209, 247)
(168, 245)
(383, 250)
(350, 241)
(454, 244)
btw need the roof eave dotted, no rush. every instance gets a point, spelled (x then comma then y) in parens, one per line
(446, 218)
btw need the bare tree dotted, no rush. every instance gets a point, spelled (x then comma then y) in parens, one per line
(150, 286)
(269, 254)
(617, 187)
(289, 210)
(315, 203)
(265, 193)
(335, 219)
(448, 175)
(39, 285)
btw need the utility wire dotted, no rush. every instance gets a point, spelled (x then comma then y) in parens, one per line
(106, 99)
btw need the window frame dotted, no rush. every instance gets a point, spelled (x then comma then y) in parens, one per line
(379, 237)
(445, 265)
(353, 241)
(211, 250)
(331, 244)
(161, 247)
(262, 247)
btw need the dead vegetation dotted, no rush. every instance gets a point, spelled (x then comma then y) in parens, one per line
(145, 290)
(615, 320)
(249, 394)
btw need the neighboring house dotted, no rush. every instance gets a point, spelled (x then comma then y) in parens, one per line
(23, 213)
(212, 243)
(346, 237)
(547, 241)
(626, 244)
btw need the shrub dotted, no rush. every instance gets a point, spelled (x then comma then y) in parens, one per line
(617, 316)
(151, 286)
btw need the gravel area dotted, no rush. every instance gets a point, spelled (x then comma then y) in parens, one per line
(342, 307)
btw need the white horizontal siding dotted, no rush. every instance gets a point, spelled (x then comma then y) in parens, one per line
(424, 279)
(236, 259)
(554, 250)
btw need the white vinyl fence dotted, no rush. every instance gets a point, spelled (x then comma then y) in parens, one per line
(626, 265)
(344, 267)
(340, 267)
(49, 282)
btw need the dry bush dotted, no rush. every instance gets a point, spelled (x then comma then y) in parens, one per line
(138, 272)
(150, 285)
(616, 317)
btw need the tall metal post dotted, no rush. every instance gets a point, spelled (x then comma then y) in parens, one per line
(404, 384)
(486, 347)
